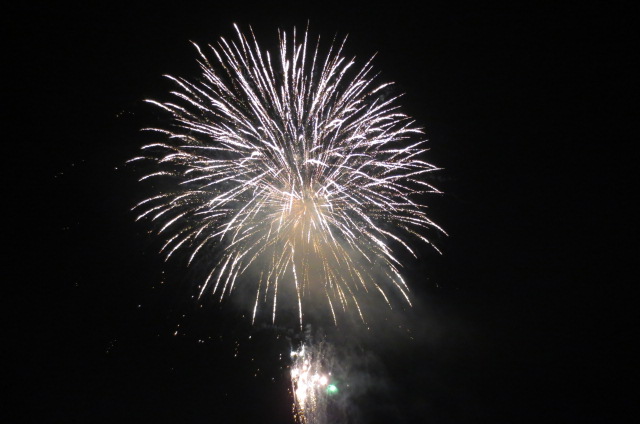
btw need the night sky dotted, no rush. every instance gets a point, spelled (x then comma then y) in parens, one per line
(517, 321)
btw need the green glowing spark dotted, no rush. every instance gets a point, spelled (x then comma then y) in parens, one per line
(332, 389)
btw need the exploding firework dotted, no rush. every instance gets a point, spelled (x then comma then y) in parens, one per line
(296, 166)
(311, 384)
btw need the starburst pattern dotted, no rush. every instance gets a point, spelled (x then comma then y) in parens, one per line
(296, 164)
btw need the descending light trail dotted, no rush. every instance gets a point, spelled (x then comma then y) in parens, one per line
(298, 166)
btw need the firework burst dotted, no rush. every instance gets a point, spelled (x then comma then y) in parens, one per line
(296, 164)
(310, 385)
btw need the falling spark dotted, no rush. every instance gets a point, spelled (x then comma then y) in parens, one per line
(294, 164)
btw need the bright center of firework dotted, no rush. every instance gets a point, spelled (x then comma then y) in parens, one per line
(303, 208)
(332, 389)
(302, 215)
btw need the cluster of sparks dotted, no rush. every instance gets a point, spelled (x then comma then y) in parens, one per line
(294, 163)
(310, 386)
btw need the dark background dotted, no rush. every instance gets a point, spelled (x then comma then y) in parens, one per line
(522, 319)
